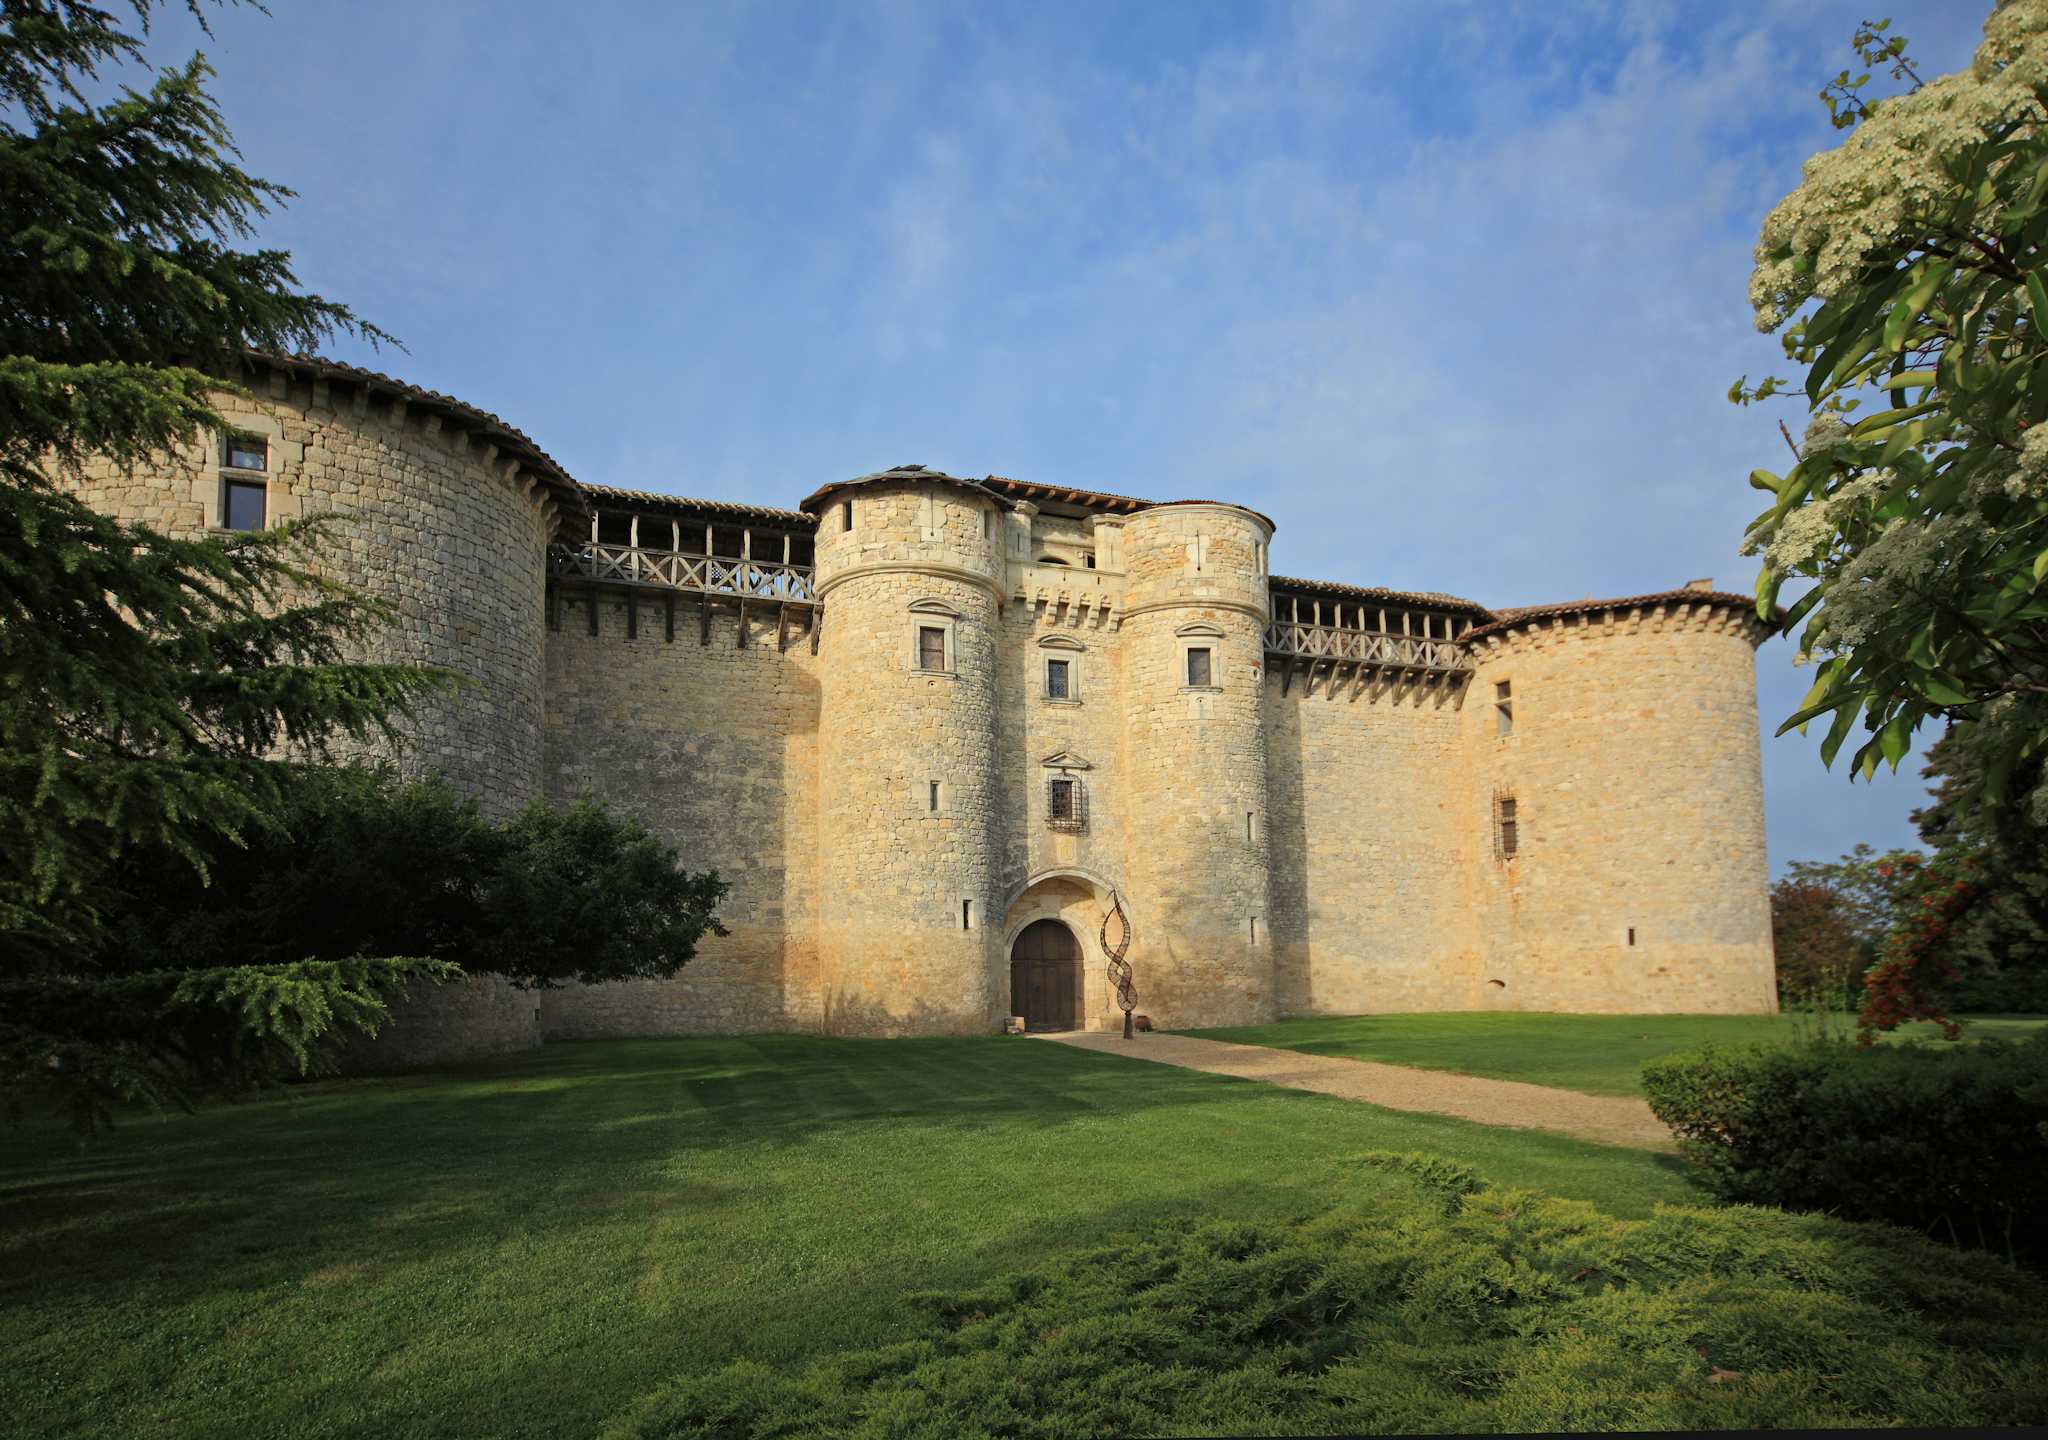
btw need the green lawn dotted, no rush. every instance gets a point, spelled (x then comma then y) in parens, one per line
(1597, 1054)
(528, 1246)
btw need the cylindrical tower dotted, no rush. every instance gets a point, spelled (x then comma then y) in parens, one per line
(1617, 808)
(909, 573)
(1193, 641)
(444, 512)
(441, 510)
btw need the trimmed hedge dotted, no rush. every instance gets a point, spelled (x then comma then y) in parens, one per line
(1951, 1141)
(1429, 1303)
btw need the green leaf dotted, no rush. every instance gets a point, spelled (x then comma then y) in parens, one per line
(1943, 690)
(1845, 719)
(1764, 480)
(1768, 582)
(2037, 295)
(1896, 738)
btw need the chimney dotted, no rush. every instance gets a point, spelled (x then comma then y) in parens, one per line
(1706, 584)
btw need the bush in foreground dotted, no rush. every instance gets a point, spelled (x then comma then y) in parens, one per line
(359, 862)
(1430, 1303)
(1953, 1142)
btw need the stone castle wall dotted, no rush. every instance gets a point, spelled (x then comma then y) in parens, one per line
(1634, 762)
(1322, 845)
(715, 747)
(427, 520)
(1371, 908)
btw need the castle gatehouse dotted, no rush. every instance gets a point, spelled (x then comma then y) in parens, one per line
(926, 726)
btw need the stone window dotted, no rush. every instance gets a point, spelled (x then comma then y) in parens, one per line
(932, 637)
(1059, 678)
(1506, 827)
(247, 452)
(1088, 558)
(244, 483)
(1066, 803)
(244, 504)
(1503, 709)
(1200, 667)
(846, 516)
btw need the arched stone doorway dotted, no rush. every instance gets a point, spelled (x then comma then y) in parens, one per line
(1045, 976)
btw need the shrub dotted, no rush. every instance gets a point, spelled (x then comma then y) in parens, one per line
(360, 863)
(1422, 1305)
(1948, 1141)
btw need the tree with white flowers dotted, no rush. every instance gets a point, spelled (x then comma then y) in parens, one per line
(1906, 275)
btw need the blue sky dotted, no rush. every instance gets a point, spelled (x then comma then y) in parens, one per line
(1454, 292)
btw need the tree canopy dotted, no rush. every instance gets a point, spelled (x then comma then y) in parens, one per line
(1905, 273)
(156, 692)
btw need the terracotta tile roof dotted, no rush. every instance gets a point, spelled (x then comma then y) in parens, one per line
(1510, 617)
(894, 472)
(613, 494)
(1375, 592)
(508, 438)
(1065, 494)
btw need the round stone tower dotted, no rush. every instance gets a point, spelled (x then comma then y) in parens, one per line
(441, 510)
(444, 512)
(909, 573)
(1628, 872)
(1193, 642)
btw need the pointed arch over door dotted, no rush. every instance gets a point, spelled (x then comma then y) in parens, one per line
(1045, 976)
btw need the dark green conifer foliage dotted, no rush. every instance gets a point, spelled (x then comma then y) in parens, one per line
(148, 684)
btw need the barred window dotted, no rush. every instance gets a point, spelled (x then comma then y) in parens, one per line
(1066, 803)
(931, 647)
(1506, 837)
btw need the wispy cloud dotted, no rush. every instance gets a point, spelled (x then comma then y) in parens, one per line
(1451, 290)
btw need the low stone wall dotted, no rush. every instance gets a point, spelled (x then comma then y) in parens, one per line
(432, 1025)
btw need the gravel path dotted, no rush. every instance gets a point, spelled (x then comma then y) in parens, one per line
(1613, 1120)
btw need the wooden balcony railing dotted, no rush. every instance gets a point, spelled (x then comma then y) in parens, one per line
(681, 570)
(1365, 647)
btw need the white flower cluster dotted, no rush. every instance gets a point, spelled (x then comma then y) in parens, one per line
(1865, 197)
(1883, 577)
(1806, 534)
(2029, 476)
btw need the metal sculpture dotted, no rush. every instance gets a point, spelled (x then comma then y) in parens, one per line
(1120, 968)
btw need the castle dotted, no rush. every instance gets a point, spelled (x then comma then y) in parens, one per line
(925, 726)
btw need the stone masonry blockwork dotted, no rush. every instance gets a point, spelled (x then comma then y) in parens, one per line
(1313, 828)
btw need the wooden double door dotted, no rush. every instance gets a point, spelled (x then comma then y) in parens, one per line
(1045, 976)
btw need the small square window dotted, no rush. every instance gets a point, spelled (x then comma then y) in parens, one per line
(242, 505)
(931, 647)
(1058, 683)
(248, 452)
(1199, 669)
